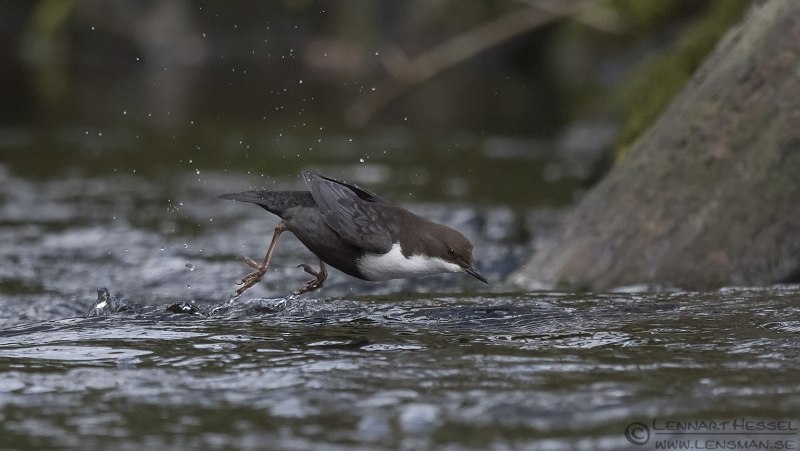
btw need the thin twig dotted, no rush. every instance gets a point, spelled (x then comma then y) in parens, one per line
(406, 73)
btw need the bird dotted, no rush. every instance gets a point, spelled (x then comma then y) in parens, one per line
(357, 232)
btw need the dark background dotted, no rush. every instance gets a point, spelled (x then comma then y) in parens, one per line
(268, 88)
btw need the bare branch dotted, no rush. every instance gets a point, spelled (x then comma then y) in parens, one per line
(405, 73)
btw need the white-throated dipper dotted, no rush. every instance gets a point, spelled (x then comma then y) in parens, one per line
(358, 233)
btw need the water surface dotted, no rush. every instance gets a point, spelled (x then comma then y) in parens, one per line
(440, 362)
(488, 371)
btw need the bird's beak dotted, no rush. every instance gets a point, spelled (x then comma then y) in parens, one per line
(473, 271)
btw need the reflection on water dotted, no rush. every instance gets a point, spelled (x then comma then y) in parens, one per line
(72, 353)
(412, 364)
(490, 371)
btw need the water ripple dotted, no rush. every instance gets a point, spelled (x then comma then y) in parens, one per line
(407, 370)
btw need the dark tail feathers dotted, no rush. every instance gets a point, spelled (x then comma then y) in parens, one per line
(276, 202)
(255, 197)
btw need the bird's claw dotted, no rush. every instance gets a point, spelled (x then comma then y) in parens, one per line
(313, 284)
(256, 276)
(252, 263)
(253, 278)
(308, 269)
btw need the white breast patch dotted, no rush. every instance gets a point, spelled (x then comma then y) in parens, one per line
(394, 265)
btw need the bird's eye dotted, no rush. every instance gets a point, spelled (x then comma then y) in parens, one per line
(451, 252)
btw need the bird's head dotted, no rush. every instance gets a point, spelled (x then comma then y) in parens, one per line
(456, 248)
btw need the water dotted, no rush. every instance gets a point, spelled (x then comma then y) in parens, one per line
(443, 362)
(489, 371)
(124, 124)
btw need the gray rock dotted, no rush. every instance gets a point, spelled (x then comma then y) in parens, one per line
(709, 195)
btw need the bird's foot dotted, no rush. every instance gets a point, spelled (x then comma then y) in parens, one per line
(253, 278)
(315, 283)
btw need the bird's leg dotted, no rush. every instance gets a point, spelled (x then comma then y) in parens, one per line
(260, 268)
(316, 282)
